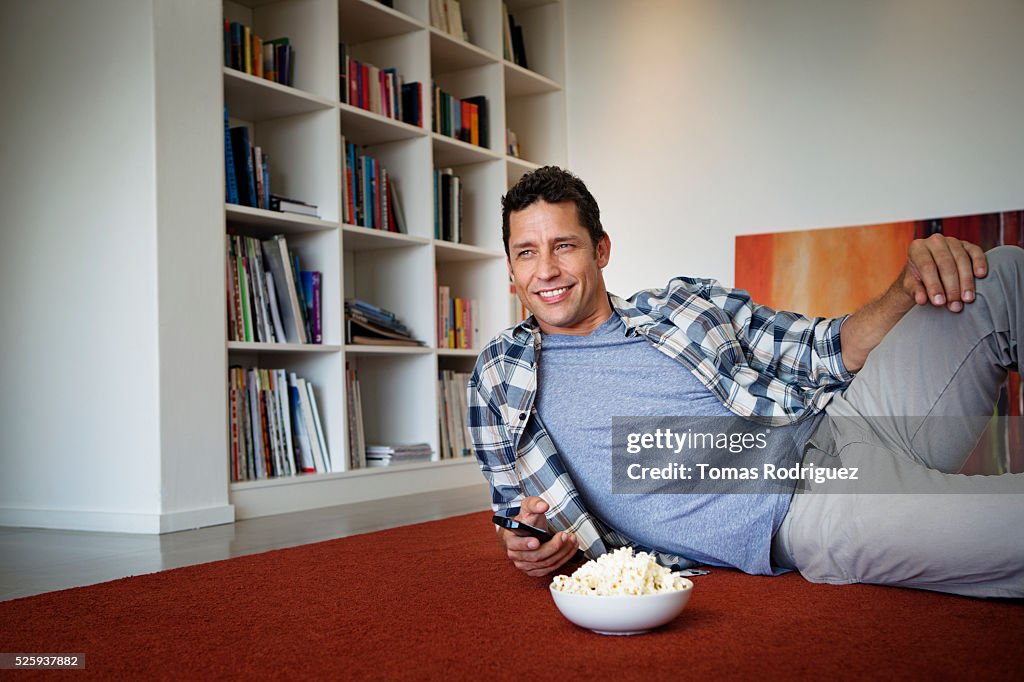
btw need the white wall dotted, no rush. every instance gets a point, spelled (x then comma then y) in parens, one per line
(77, 260)
(190, 263)
(102, 417)
(697, 120)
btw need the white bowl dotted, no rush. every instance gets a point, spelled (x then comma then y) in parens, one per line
(622, 614)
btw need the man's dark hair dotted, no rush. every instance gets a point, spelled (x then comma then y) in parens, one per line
(553, 185)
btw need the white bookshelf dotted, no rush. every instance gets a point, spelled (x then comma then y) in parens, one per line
(301, 128)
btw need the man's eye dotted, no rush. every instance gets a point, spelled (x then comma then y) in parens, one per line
(524, 254)
(563, 246)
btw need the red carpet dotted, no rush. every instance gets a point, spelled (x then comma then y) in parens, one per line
(439, 601)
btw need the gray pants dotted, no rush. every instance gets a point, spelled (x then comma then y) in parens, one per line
(934, 378)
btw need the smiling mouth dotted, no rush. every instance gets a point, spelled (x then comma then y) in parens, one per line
(553, 294)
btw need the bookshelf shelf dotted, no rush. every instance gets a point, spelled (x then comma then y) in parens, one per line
(300, 130)
(365, 20)
(523, 5)
(368, 128)
(263, 223)
(302, 479)
(360, 349)
(257, 99)
(458, 352)
(450, 251)
(358, 238)
(451, 152)
(448, 53)
(283, 347)
(520, 81)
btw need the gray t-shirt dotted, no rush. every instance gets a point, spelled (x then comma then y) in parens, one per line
(584, 381)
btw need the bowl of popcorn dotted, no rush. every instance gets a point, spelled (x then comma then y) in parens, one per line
(621, 593)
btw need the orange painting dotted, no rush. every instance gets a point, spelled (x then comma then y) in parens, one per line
(823, 273)
(835, 271)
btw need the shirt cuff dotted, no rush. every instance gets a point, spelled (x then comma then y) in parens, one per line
(834, 350)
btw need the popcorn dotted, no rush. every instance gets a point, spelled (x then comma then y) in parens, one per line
(620, 573)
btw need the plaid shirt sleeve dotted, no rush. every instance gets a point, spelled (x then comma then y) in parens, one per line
(494, 449)
(788, 346)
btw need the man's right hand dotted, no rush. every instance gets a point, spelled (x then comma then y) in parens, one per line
(528, 554)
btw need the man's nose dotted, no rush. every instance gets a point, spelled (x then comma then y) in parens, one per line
(547, 267)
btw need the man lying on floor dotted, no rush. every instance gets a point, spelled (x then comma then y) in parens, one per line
(936, 346)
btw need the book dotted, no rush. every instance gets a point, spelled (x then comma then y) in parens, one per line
(242, 165)
(483, 135)
(230, 183)
(364, 332)
(518, 46)
(276, 251)
(325, 453)
(304, 448)
(286, 205)
(275, 312)
(307, 416)
(311, 294)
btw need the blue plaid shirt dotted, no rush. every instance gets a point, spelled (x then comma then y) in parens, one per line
(766, 365)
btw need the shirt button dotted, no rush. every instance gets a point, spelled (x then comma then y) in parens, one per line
(522, 416)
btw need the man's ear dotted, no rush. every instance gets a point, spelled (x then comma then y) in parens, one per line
(603, 250)
(508, 266)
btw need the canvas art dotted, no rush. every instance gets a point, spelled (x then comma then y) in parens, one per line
(831, 272)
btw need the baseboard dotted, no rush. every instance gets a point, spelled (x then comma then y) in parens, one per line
(116, 522)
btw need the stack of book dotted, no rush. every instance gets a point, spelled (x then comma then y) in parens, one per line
(446, 15)
(369, 193)
(388, 455)
(457, 325)
(246, 52)
(368, 324)
(296, 206)
(451, 389)
(382, 91)
(270, 298)
(275, 425)
(356, 435)
(447, 205)
(512, 36)
(463, 119)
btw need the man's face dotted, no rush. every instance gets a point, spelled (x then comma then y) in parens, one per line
(557, 270)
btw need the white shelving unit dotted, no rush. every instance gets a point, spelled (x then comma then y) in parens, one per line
(301, 129)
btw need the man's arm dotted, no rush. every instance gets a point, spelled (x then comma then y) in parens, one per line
(940, 271)
(496, 455)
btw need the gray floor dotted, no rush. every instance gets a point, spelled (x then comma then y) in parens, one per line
(33, 561)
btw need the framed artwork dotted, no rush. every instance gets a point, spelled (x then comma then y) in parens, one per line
(834, 271)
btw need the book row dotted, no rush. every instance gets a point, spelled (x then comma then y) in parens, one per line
(274, 425)
(457, 321)
(451, 389)
(448, 204)
(369, 194)
(270, 298)
(463, 119)
(246, 52)
(246, 169)
(382, 91)
(446, 15)
(512, 40)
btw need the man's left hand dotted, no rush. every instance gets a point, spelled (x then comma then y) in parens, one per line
(941, 270)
